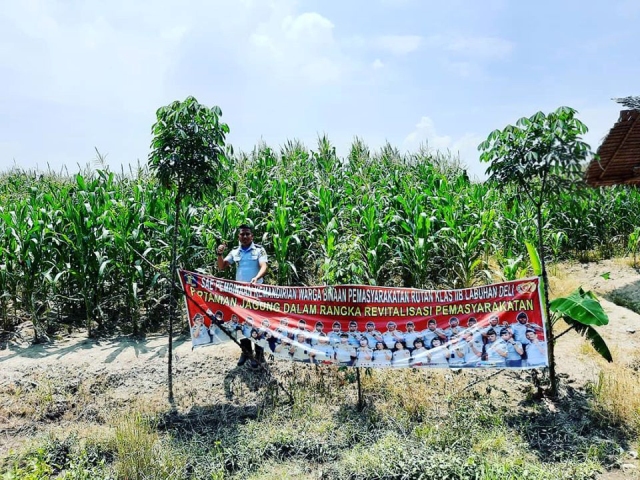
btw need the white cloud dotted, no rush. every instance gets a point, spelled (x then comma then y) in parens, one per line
(85, 58)
(311, 28)
(298, 47)
(465, 146)
(377, 64)
(461, 52)
(398, 44)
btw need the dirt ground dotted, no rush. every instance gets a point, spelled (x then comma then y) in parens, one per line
(124, 368)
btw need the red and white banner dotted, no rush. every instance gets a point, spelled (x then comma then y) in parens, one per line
(490, 326)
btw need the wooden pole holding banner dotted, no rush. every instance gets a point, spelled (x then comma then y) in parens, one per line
(213, 319)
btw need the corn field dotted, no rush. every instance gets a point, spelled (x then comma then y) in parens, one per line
(92, 249)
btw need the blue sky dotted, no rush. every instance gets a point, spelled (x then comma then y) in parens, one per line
(80, 75)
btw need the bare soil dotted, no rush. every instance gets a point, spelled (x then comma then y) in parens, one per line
(113, 374)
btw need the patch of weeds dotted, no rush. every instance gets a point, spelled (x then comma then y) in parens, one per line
(278, 438)
(134, 444)
(395, 457)
(63, 458)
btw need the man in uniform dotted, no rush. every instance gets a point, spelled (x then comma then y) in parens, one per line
(251, 266)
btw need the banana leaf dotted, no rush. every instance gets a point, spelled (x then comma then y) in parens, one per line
(592, 336)
(580, 306)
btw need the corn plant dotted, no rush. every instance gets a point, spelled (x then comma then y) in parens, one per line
(74, 244)
(281, 225)
(374, 218)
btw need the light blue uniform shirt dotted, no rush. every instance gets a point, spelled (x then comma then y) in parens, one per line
(248, 261)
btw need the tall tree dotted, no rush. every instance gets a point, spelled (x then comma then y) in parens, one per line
(543, 155)
(187, 157)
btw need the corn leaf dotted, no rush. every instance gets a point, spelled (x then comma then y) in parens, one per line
(535, 259)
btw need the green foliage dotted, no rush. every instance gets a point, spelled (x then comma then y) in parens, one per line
(634, 244)
(71, 247)
(582, 307)
(543, 157)
(188, 153)
(543, 154)
(187, 158)
(535, 259)
(582, 310)
(53, 457)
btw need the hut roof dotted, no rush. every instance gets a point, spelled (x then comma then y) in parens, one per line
(618, 160)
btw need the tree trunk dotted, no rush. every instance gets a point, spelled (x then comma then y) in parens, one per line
(172, 299)
(548, 325)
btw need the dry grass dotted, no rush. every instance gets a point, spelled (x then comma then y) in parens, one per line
(616, 395)
(561, 283)
(627, 261)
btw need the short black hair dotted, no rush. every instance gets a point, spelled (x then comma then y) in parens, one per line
(244, 226)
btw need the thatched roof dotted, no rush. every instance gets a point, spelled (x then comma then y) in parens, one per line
(619, 154)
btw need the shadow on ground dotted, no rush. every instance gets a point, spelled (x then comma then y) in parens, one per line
(568, 429)
(627, 296)
(45, 350)
(140, 345)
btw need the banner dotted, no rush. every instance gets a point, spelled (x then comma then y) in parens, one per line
(490, 326)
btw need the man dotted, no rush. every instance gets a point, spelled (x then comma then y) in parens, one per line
(536, 350)
(521, 326)
(454, 328)
(472, 326)
(199, 332)
(410, 335)
(345, 354)
(432, 332)
(335, 333)
(493, 325)
(471, 348)
(354, 335)
(251, 266)
(317, 333)
(372, 335)
(514, 348)
(392, 335)
(496, 349)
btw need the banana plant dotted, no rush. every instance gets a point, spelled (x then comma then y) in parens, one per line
(633, 245)
(582, 311)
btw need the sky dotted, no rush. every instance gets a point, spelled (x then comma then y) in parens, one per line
(80, 76)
